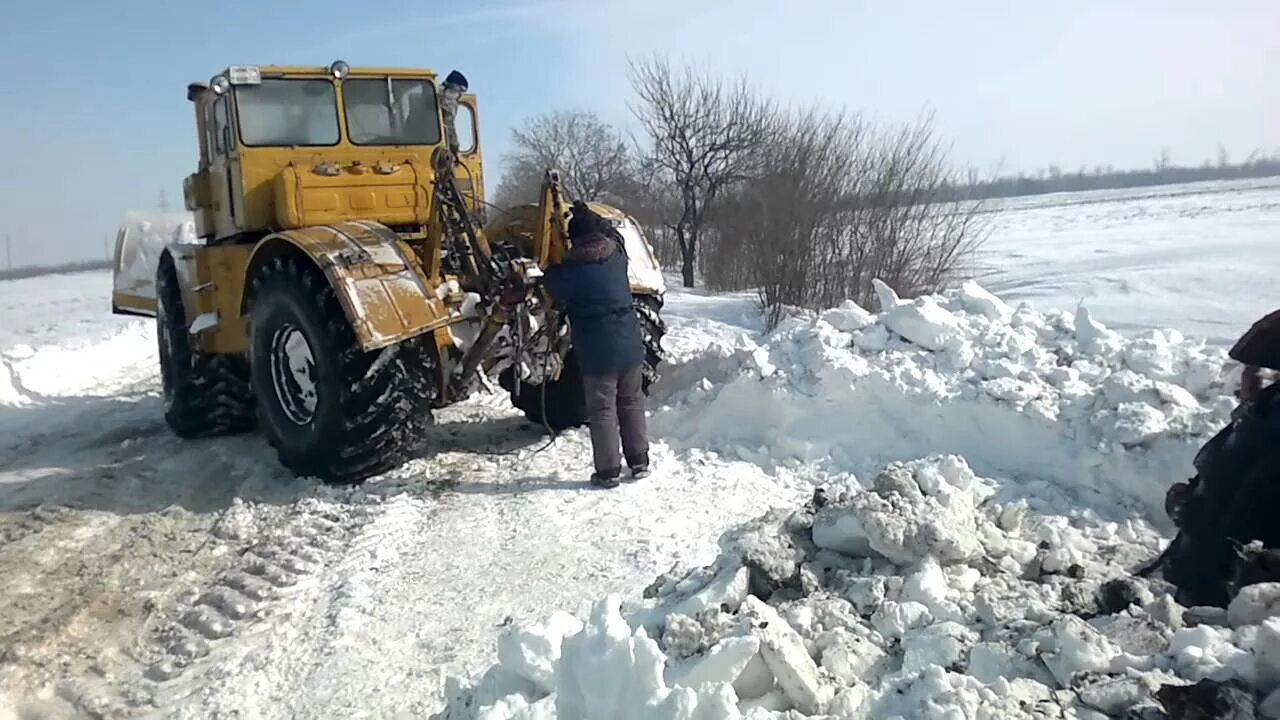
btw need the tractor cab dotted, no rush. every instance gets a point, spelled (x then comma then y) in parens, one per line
(291, 147)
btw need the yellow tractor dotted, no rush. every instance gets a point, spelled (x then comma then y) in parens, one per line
(336, 280)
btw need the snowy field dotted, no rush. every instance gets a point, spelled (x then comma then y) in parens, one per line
(984, 467)
(1200, 257)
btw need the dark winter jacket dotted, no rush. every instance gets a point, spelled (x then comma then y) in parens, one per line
(593, 287)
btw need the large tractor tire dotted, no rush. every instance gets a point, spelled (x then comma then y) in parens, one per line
(204, 394)
(652, 328)
(564, 404)
(330, 409)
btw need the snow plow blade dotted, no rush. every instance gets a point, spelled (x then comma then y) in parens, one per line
(140, 240)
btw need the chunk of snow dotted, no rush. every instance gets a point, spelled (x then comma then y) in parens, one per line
(784, 652)
(1152, 356)
(1093, 336)
(1011, 390)
(942, 644)
(606, 671)
(872, 338)
(1254, 603)
(848, 316)
(1079, 648)
(1204, 651)
(886, 295)
(1177, 396)
(923, 322)
(728, 589)
(532, 651)
(927, 585)
(852, 659)
(723, 663)
(755, 680)
(895, 619)
(896, 520)
(989, 662)
(1127, 386)
(848, 702)
(1133, 423)
(978, 301)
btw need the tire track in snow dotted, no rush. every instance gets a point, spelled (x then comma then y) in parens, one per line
(420, 590)
(103, 532)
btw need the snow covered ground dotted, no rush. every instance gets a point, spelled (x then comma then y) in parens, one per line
(143, 573)
(1199, 257)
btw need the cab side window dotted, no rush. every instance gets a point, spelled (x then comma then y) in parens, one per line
(466, 129)
(219, 126)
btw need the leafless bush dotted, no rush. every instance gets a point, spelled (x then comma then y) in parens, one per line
(807, 207)
(594, 159)
(705, 136)
(836, 204)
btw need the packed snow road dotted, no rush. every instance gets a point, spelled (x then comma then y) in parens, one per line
(197, 579)
(143, 571)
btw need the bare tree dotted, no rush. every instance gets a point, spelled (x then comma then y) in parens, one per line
(593, 158)
(838, 204)
(706, 134)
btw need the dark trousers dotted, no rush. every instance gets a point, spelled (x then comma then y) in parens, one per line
(615, 406)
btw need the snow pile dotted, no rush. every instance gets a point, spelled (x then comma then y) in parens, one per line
(931, 593)
(1017, 392)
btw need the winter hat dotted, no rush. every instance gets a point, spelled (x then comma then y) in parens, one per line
(584, 222)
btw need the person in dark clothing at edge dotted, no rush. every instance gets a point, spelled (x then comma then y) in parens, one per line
(592, 286)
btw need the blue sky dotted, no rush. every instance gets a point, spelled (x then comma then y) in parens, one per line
(94, 120)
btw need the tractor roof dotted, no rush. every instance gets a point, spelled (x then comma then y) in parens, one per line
(355, 70)
(311, 71)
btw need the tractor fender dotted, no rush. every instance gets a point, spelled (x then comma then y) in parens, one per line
(379, 283)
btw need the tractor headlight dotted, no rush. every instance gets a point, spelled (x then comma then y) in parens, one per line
(339, 69)
(220, 85)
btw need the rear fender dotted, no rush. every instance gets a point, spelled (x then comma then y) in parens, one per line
(380, 285)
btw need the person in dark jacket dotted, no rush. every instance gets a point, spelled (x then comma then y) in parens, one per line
(592, 286)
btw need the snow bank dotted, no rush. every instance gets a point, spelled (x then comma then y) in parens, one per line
(868, 603)
(1053, 396)
(929, 590)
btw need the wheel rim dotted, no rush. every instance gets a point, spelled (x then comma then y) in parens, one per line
(293, 370)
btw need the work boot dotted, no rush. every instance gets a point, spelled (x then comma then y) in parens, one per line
(607, 479)
(639, 467)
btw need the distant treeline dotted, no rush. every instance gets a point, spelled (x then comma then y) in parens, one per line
(71, 267)
(1053, 179)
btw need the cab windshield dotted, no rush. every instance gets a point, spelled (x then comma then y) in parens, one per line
(390, 111)
(288, 112)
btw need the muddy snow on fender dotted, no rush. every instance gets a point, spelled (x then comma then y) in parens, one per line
(924, 509)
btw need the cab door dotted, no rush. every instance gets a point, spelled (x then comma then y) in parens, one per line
(470, 174)
(224, 165)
